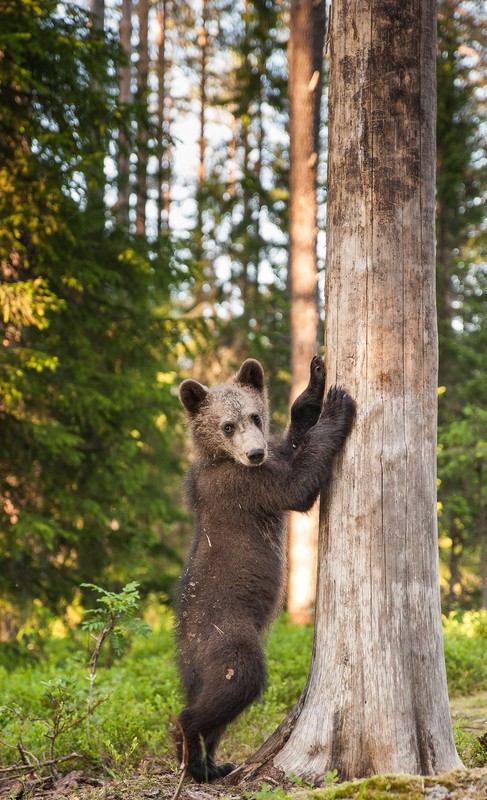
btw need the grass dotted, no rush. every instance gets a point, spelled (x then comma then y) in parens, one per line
(46, 701)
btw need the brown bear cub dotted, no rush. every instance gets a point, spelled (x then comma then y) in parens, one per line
(241, 485)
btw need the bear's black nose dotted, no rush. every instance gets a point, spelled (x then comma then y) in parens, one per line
(256, 456)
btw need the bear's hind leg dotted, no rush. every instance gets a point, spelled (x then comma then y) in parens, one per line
(236, 677)
(200, 748)
(211, 742)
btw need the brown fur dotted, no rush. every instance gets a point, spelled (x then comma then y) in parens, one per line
(240, 487)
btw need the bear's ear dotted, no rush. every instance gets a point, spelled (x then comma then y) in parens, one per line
(192, 394)
(251, 374)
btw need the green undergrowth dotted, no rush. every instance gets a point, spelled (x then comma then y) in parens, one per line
(134, 700)
(123, 720)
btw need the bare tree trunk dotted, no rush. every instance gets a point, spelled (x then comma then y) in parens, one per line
(376, 699)
(125, 98)
(163, 132)
(203, 49)
(455, 588)
(95, 195)
(97, 8)
(143, 117)
(308, 23)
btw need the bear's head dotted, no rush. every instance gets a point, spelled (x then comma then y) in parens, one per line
(230, 420)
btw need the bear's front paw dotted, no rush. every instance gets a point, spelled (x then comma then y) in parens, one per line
(338, 403)
(317, 373)
(306, 409)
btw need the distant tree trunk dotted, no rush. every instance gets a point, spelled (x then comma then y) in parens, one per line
(376, 697)
(245, 181)
(125, 98)
(308, 24)
(455, 579)
(163, 132)
(95, 175)
(97, 8)
(142, 117)
(203, 49)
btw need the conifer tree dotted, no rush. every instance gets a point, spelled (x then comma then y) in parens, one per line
(86, 340)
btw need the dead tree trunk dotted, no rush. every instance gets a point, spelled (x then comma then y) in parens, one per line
(305, 52)
(376, 698)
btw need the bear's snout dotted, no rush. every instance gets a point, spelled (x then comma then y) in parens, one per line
(256, 456)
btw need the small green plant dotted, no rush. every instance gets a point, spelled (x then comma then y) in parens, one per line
(121, 761)
(363, 787)
(64, 708)
(41, 726)
(331, 777)
(113, 619)
(266, 792)
(296, 780)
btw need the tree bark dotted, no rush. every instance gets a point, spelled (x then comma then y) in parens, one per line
(305, 54)
(163, 124)
(125, 99)
(95, 175)
(202, 42)
(143, 117)
(97, 8)
(376, 699)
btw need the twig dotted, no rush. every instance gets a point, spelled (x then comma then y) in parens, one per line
(24, 755)
(180, 784)
(98, 645)
(39, 765)
(185, 759)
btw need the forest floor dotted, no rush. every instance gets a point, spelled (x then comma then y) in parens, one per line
(457, 785)
(467, 784)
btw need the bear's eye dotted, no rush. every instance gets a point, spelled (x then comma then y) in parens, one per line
(257, 420)
(228, 428)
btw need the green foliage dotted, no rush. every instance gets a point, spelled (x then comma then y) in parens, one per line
(116, 617)
(469, 747)
(123, 719)
(267, 792)
(465, 638)
(462, 283)
(88, 418)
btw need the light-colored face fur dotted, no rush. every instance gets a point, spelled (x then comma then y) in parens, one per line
(230, 420)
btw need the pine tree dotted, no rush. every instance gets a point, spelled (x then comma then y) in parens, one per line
(85, 371)
(462, 281)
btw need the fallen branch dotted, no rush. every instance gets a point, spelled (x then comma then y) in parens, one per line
(40, 764)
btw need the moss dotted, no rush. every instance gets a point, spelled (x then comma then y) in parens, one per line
(379, 787)
(456, 785)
